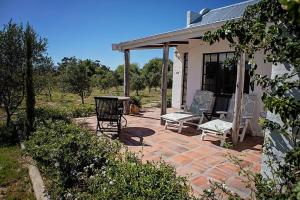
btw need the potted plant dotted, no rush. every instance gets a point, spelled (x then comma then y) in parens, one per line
(135, 104)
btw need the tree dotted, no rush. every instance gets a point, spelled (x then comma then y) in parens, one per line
(152, 73)
(76, 79)
(119, 72)
(11, 68)
(137, 83)
(44, 77)
(103, 77)
(34, 49)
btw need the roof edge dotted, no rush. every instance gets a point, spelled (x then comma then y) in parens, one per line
(164, 37)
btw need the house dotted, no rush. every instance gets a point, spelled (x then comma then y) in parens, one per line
(197, 64)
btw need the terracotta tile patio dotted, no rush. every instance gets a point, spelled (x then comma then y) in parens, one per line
(200, 161)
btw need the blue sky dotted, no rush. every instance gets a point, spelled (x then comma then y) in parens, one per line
(87, 28)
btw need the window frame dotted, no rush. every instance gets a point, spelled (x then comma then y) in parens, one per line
(204, 72)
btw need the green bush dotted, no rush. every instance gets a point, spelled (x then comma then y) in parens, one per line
(136, 100)
(8, 134)
(80, 165)
(65, 114)
(51, 113)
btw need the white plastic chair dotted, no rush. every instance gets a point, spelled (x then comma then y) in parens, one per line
(221, 127)
(201, 103)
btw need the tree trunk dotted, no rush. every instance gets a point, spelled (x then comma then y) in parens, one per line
(82, 98)
(49, 93)
(238, 98)
(30, 95)
(149, 90)
(8, 118)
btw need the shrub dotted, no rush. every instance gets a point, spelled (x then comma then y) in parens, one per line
(51, 113)
(136, 100)
(65, 114)
(8, 134)
(80, 165)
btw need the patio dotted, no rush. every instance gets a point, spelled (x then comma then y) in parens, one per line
(200, 161)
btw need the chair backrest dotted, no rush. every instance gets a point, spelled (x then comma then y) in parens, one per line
(106, 106)
(202, 100)
(221, 103)
(248, 106)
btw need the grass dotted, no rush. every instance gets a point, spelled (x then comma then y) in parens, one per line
(14, 179)
(68, 100)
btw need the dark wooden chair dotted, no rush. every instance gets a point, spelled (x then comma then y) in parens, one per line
(221, 103)
(108, 115)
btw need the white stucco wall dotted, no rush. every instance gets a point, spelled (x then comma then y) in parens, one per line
(196, 49)
(177, 75)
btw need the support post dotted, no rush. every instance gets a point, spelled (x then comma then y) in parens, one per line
(164, 81)
(126, 79)
(238, 98)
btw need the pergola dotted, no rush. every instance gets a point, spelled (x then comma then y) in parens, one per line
(172, 39)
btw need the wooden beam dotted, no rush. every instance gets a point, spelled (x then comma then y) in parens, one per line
(157, 46)
(164, 80)
(126, 79)
(239, 90)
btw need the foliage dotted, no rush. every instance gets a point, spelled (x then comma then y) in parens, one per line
(137, 83)
(34, 48)
(76, 79)
(169, 102)
(119, 72)
(11, 68)
(18, 48)
(136, 100)
(8, 134)
(94, 167)
(293, 9)
(152, 72)
(104, 78)
(44, 77)
(66, 114)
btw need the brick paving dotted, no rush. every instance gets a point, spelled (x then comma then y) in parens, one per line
(200, 161)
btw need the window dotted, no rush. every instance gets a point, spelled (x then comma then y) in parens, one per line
(219, 78)
(184, 78)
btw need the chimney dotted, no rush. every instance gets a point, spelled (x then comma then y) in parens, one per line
(193, 17)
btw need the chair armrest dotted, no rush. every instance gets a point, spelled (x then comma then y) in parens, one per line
(203, 110)
(247, 117)
(120, 111)
(222, 112)
(184, 107)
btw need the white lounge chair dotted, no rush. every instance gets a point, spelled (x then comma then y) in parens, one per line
(221, 127)
(202, 102)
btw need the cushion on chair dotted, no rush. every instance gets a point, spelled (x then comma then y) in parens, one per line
(179, 116)
(217, 125)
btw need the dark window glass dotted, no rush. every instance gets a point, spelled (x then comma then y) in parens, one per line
(219, 78)
(184, 76)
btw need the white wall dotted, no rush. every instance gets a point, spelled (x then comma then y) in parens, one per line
(196, 49)
(177, 75)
